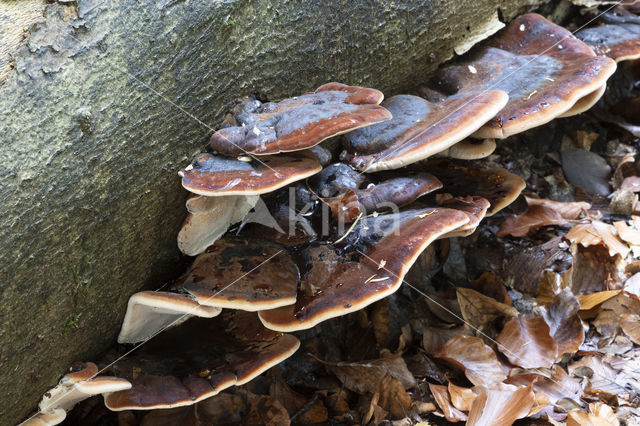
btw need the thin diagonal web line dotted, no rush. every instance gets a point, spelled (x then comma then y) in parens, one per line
(186, 314)
(493, 85)
(505, 349)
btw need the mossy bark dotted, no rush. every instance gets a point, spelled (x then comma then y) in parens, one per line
(107, 100)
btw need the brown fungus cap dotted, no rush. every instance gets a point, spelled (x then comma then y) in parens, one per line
(420, 129)
(215, 175)
(237, 273)
(470, 149)
(390, 193)
(301, 122)
(197, 360)
(620, 42)
(475, 208)
(369, 265)
(542, 66)
(499, 186)
(148, 312)
(586, 102)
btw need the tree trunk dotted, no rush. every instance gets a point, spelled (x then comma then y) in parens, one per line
(102, 102)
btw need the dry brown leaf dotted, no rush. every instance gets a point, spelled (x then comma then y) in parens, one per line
(593, 270)
(632, 286)
(630, 324)
(560, 385)
(478, 361)
(526, 342)
(540, 402)
(433, 338)
(599, 415)
(441, 396)
(592, 300)
(602, 377)
(393, 397)
(461, 398)
(492, 285)
(293, 402)
(597, 232)
(541, 212)
(565, 326)
(631, 183)
(478, 309)
(372, 412)
(363, 377)
(265, 410)
(500, 405)
(337, 402)
(627, 233)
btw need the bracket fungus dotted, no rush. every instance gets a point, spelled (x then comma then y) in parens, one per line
(300, 122)
(542, 66)
(197, 360)
(229, 189)
(148, 312)
(475, 208)
(620, 42)
(420, 129)
(469, 149)
(394, 192)
(209, 218)
(215, 175)
(370, 265)
(499, 186)
(79, 384)
(238, 273)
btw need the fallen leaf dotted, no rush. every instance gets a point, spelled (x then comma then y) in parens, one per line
(526, 342)
(478, 361)
(541, 212)
(478, 309)
(559, 385)
(379, 317)
(597, 232)
(602, 377)
(630, 324)
(363, 377)
(565, 326)
(293, 402)
(540, 402)
(433, 338)
(627, 233)
(599, 415)
(631, 183)
(372, 412)
(491, 285)
(265, 410)
(632, 286)
(592, 300)
(461, 398)
(593, 270)
(441, 396)
(393, 398)
(500, 405)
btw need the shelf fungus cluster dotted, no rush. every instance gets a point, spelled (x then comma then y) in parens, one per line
(288, 233)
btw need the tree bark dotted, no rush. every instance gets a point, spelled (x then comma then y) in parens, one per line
(102, 102)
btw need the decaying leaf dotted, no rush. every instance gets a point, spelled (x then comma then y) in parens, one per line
(294, 402)
(630, 324)
(628, 233)
(478, 309)
(478, 361)
(526, 342)
(441, 396)
(541, 212)
(433, 338)
(490, 284)
(599, 415)
(461, 398)
(602, 377)
(500, 405)
(597, 232)
(565, 326)
(590, 301)
(266, 410)
(559, 385)
(363, 377)
(393, 398)
(593, 270)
